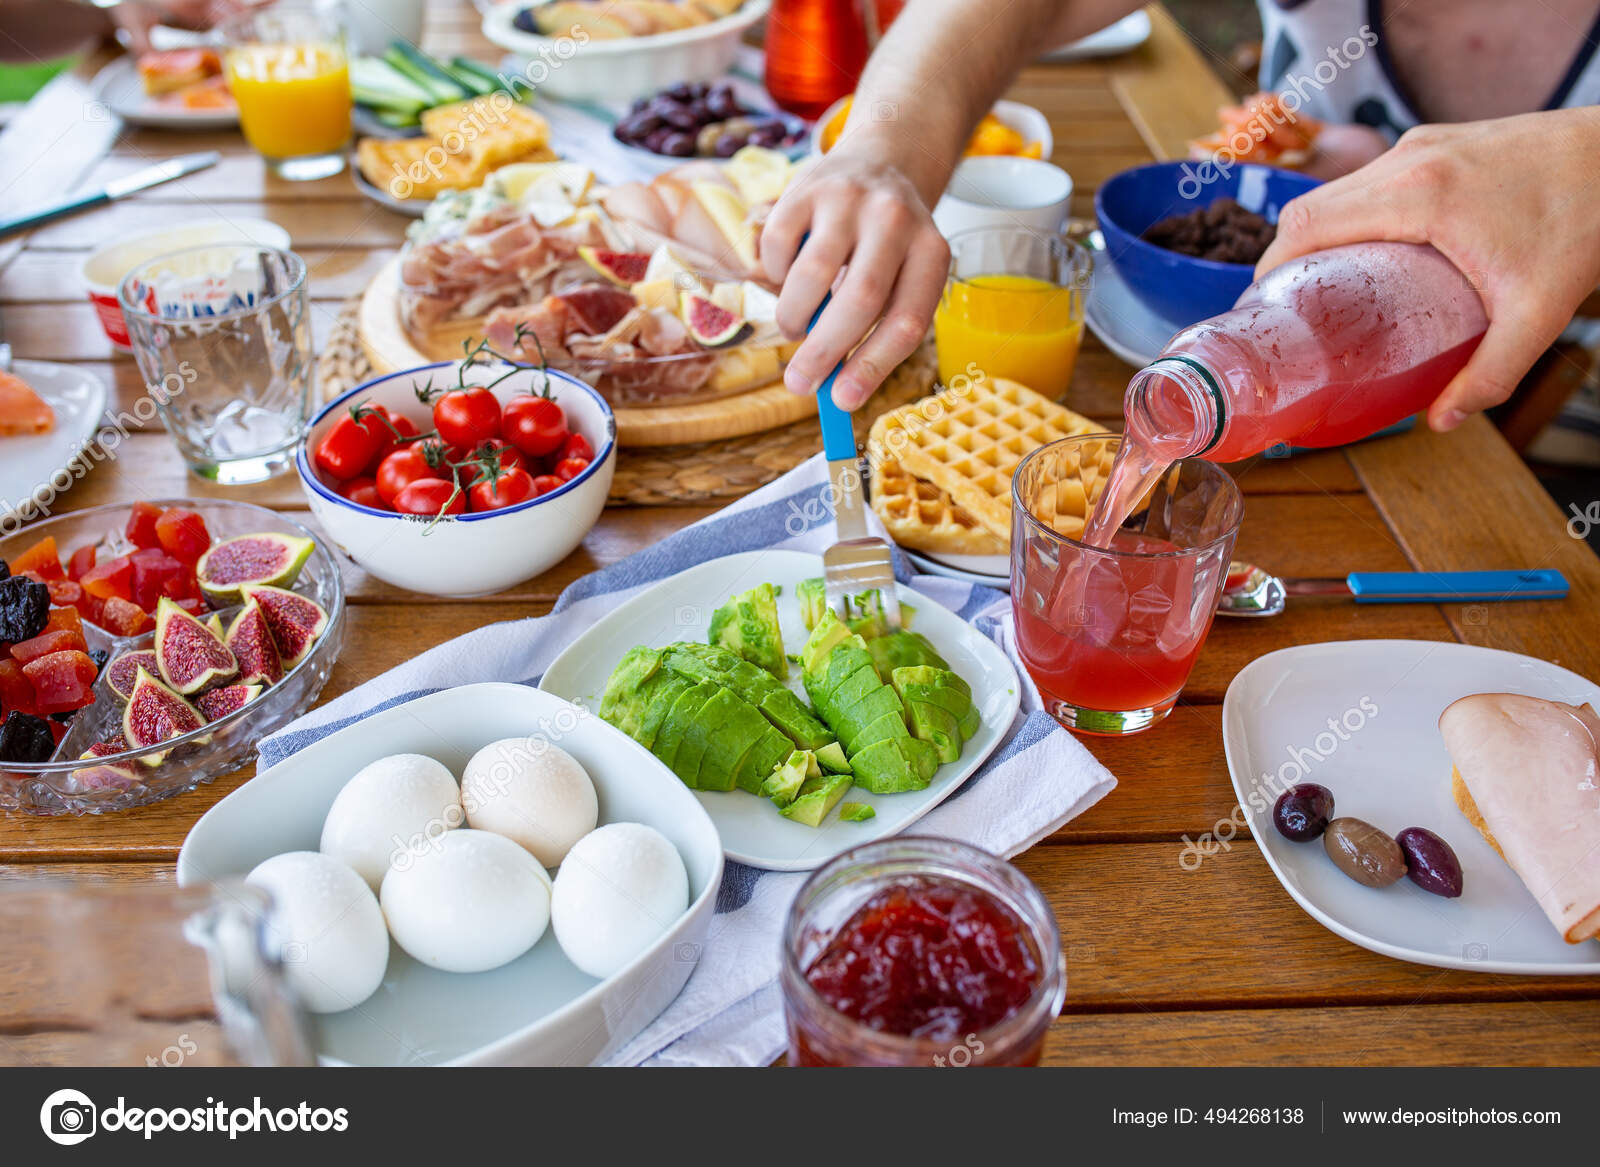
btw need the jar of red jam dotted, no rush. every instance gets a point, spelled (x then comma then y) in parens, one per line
(920, 952)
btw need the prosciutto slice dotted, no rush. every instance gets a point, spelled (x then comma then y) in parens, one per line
(1533, 769)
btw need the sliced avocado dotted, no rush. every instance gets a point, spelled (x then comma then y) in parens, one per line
(696, 761)
(891, 724)
(816, 798)
(903, 649)
(855, 812)
(663, 689)
(849, 694)
(970, 722)
(768, 753)
(813, 770)
(924, 758)
(669, 742)
(889, 767)
(742, 728)
(941, 687)
(831, 759)
(621, 704)
(789, 715)
(783, 784)
(842, 662)
(829, 633)
(813, 596)
(937, 726)
(855, 718)
(748, 625)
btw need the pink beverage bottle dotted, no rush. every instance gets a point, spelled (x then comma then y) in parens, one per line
(1318, 352)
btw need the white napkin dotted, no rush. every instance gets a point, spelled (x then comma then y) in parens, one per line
(730, 1012)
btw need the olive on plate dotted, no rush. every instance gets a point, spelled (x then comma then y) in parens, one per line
(1363, 852)
(1302, 812)
(1430, 862)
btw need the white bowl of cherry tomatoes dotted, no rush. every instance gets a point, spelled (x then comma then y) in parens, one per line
(460, 478)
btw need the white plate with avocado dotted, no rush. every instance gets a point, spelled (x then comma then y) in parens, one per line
(754, 831)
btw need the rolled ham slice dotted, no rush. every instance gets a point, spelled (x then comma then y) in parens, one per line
(1532, 768)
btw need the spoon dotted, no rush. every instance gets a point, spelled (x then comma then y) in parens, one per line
(1250, 591)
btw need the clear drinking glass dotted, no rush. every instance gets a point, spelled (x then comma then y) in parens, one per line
(290, 76)
(143, 975)
(222, 335)
(820, 1035)
(1013, 307)
(1109, 635)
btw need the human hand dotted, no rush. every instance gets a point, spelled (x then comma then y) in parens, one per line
(1509, 202)
(138, 17)
(872, 236)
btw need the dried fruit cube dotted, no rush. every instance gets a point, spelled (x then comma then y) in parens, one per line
(183, 535)
(114, 577)
(124, 618)
(141, 529)
(45, 643)
(16, 693)
(41, 560)
(62, 680)
(82, 560)
(152, 570)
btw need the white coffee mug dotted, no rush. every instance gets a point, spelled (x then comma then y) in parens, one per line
(993, 190)
(372, 24)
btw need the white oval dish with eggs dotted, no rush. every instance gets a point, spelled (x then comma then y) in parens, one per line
(605, 807)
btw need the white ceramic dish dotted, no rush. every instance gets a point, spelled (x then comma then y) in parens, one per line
(992, 571)
(539, 1009)
(1388, 765)
(617, 70)
(1124, 325)
(119, 89)
(752, 830)
(34, 469)
(1027, 121)
(1002, 191)
(467, 554)
(1125, 35)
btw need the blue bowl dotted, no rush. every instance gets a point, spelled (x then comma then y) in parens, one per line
(1180, 288)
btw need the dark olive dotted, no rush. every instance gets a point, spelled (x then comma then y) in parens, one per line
(723, 104)
(729, 144)
(769, 134)
(1430, 862)
(655, 140)
(635, 126)
(1363, 852)
(682, 91)
(676, 145)
(681, 118)
(1302, 812)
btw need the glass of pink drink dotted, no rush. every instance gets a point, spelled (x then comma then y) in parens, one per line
(1109, 634)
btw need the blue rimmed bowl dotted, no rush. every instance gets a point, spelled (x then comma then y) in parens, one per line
(1179, 288)
(468, 554)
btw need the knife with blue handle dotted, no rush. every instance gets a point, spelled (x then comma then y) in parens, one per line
(115, 189)
(1250, 591)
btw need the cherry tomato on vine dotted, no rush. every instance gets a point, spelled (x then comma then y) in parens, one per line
(509, 455)
(414, 463)
(569, 468)
(465, 417)
(399, 428)
(545, 483)
(507, 489)
(347, 449)
(535, 425)
(431, 496)
(576, 446)
(363, 491)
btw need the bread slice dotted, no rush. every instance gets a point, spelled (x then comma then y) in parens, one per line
(1469, 808)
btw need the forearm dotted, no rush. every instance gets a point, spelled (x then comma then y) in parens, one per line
(943, 64)
(32, 30)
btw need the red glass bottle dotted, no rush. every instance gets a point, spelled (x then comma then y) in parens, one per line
(816, 50)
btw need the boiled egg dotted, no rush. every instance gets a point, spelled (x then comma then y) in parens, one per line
(393, 806)
(533, 792)
(468, 902)
(618, 890)
(327, 928)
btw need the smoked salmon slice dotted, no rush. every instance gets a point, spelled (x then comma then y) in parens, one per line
(22, 411)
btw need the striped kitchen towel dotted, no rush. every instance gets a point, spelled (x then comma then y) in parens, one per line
(729, 1013)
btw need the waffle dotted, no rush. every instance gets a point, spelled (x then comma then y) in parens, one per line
(921, 516)
(967, 442)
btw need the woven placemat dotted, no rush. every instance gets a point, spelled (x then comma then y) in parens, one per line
(704, 472)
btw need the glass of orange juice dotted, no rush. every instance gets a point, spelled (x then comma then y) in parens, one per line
(1013, 307)
(290, 76)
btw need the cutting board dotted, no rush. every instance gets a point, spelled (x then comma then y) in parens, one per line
(391, 348)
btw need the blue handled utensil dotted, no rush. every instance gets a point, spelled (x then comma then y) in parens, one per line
(1254, 592)
(115, 189)
(858, 562)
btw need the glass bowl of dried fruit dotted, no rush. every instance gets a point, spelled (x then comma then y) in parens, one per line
(146, 649)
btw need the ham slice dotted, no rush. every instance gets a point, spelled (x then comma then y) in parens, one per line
(1532, 768)
(22, 411)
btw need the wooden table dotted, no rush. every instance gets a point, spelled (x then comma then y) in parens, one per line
(1212, 967)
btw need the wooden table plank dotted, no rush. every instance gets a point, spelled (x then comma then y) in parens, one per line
(311, 223)
(55, 277)
(1169, 92)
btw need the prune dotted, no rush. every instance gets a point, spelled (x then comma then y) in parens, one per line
(1430, 863)
(24, 608)
(1302, 812)
(1363, 852)
(1224, 231)
(26, 738)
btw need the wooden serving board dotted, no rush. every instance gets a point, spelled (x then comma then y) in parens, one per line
(391, 348)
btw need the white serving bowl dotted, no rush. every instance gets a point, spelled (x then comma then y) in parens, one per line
(618, 70)
(539, 1009)
(467, 554)
(1027, 121)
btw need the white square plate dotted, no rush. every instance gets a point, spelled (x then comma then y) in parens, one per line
(539, 1009)
(1387, 764)
(752, 830)
(31, 465)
